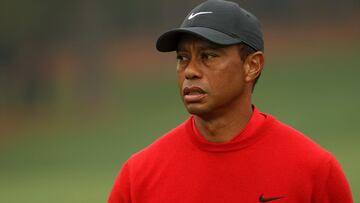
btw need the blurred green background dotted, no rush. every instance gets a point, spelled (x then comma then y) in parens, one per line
(83, 87)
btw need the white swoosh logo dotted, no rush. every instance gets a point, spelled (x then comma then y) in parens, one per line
(192, 15)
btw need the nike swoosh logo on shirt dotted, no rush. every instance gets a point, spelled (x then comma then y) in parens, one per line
(192, 15)
(263, 199)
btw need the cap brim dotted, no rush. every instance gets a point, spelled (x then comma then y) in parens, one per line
(168, 41)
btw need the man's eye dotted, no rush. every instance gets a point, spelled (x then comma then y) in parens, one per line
(208, 56)
(181, 58)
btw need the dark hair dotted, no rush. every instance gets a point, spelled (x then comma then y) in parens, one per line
(244, 51)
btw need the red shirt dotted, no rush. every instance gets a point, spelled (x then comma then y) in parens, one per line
(266, 161)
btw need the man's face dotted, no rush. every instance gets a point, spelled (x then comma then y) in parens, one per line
(211, 78)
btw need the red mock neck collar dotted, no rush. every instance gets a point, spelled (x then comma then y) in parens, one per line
(248, 135)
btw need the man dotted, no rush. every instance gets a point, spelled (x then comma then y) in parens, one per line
(227, 151)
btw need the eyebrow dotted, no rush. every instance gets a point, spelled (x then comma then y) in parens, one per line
(205, 46)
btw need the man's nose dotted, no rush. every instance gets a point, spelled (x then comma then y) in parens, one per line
(193, 71)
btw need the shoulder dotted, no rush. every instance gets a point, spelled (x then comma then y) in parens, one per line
(166, 144)
(295, 145)
(285, 133)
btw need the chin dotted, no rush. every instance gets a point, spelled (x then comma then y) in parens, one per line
(196, 109)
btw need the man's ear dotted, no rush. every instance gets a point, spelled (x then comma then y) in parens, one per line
(253, 65)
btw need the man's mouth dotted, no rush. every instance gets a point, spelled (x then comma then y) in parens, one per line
(193, 94)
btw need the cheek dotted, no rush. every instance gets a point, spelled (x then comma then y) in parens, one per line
(226, 83)
(180, 79)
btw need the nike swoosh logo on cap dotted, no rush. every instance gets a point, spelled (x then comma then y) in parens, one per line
(192, 15)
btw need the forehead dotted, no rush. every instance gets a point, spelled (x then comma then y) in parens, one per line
(189, 41)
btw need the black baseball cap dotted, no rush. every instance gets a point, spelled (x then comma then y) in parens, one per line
(220, 22)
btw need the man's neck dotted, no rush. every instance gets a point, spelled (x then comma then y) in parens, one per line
(223, 128)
